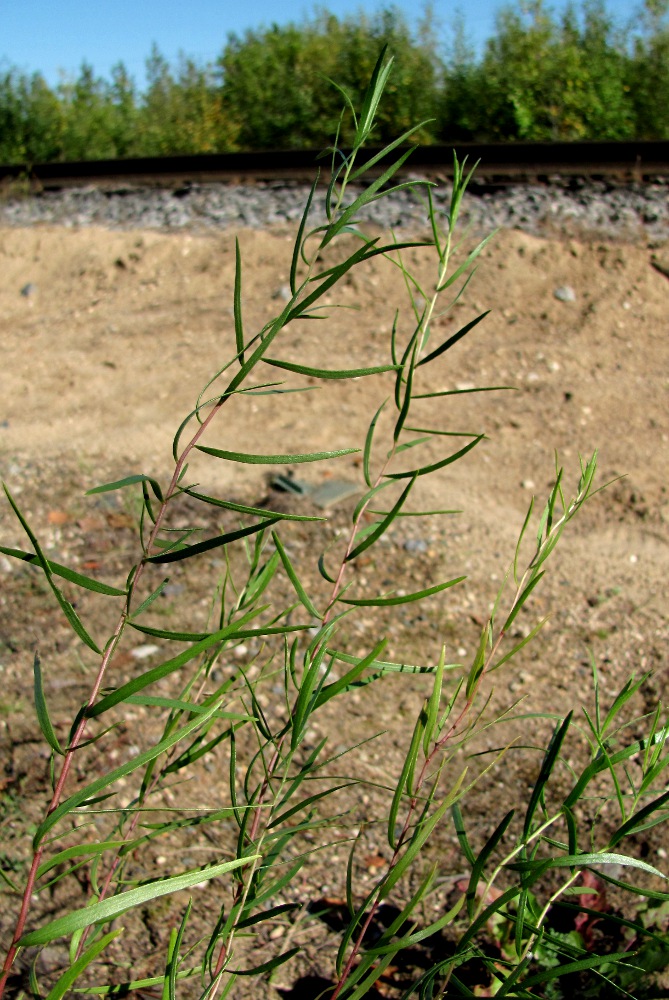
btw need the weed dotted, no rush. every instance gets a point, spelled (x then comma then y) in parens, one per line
(243, 694)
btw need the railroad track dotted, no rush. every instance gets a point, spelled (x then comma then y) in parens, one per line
(500, 164)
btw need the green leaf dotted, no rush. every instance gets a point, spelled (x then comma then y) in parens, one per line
(383, 525)
(637, 819)
(426, 469)
(453, 339)
(128, 481)
(42, 710)
(571, 967)
(387, 602)
(466, 263)
(367, 453)
(602, 763)
(78, 851)
(547, 766)
(163, 669)
(176, 705)
(325, 373)
(347, 680)
(245, 458)
(237, 304)
(69, 978)
(541, 865)
(245, 509)
(480, 862)
(69, 612)
(268, 966)
(67, 574)
(405, 783)
(110, 908)
(83, 795)
(294, 579)
(187, 551)
(459, 825)
(150, 599)
(300, 236)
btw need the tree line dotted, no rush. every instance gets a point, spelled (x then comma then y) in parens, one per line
(540, 76)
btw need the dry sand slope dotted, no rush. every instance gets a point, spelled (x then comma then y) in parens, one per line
(119, 331)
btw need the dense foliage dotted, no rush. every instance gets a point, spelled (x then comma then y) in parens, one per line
(540, 77)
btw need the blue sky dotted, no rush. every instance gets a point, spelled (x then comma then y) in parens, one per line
(55, 37)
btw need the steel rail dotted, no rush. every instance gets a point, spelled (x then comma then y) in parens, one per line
(499, 164)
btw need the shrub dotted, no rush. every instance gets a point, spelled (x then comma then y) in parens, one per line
(284, 785)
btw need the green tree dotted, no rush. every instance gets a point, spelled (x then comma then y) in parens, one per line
(648, 77)
(273, 78)
(543, 79)
(88, 132)
(182, 113)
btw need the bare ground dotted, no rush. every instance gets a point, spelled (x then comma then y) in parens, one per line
(107, 352)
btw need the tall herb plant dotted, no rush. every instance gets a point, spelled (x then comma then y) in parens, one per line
(277, 782)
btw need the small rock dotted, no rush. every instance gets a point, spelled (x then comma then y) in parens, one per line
(28, 290)
(415, 545)
(528, 484)
(565, 293)
(144, 652)
(284, 293)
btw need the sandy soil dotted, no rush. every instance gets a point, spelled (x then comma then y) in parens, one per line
(118, 332)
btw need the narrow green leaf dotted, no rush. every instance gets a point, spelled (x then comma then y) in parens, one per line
(128, 481)
(480, 862)
(187, 551)
(150, 599)
(78, 851)
(69, 612)
(85, 794)
(367, 451)
(69, 978)
(110, 908)
(245, 509)
(383, 525)
(427, 469)
(177, 705)
(157, 673)
(42, 710)
(237, 304)
(433, 703)
(387, 602)
(294, 579)
(66, 573)
(300, 237)
(521, 601)
(245, 458)
(547, 766)
(466, 264)
(541, 865)
(459, 825)
(325, 373)
(347, 680)
(452, 340)
(405, 782)
(592, 962)
(268, 966)
(634, 822)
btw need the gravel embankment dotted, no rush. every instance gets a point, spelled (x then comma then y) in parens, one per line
(626, 212)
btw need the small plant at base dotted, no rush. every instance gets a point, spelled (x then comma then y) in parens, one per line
(278, 781)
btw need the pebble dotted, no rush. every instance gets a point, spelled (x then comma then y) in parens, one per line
(144, 652)
(28, 290)
(415, 545)
(565, 293)
(627, 211)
